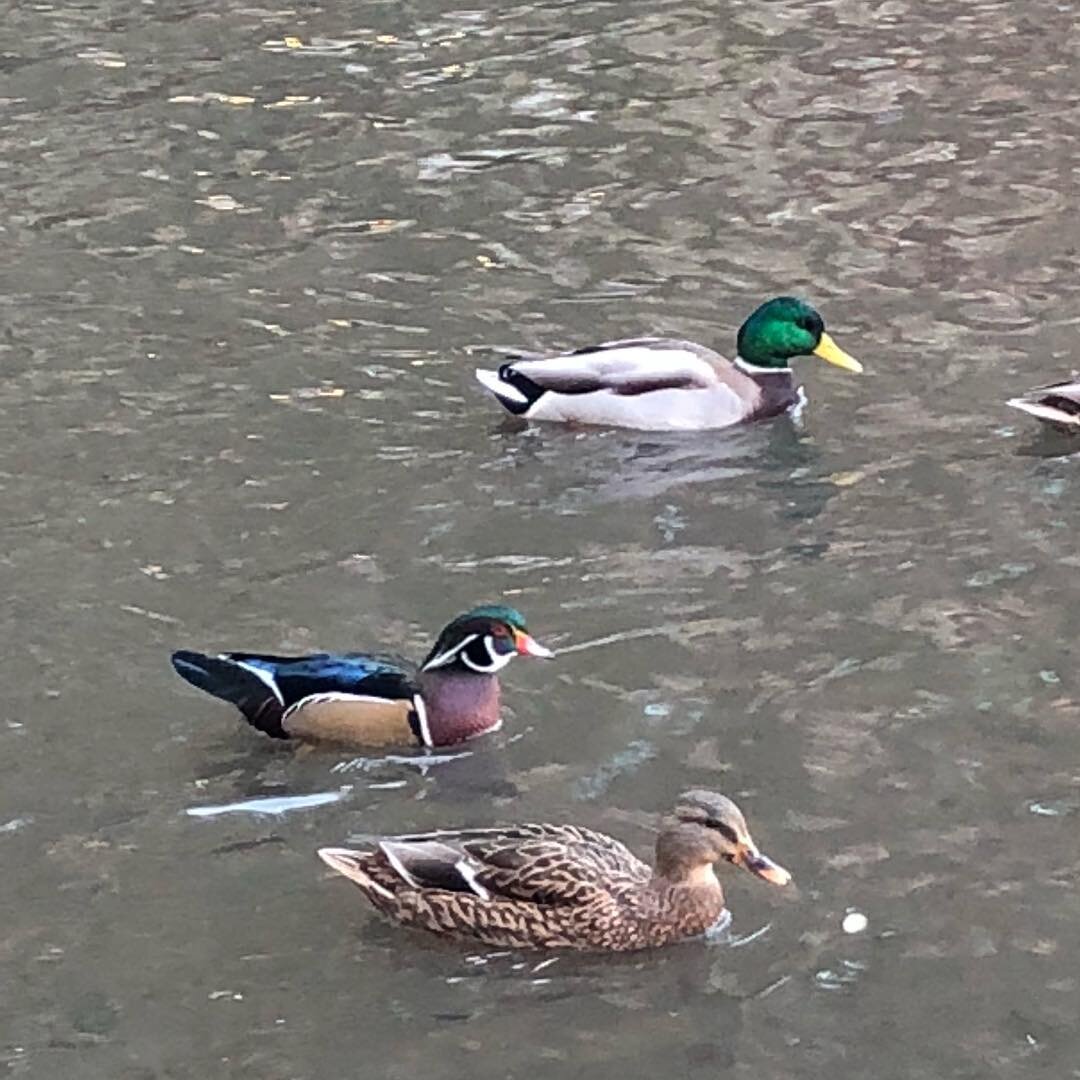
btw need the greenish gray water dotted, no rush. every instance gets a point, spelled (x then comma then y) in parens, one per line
(861, 626)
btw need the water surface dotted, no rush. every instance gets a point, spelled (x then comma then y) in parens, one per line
(246, 279)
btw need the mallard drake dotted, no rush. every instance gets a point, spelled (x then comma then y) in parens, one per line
(365, 699)
(662, 384)
(561, 886)
(1057, 404)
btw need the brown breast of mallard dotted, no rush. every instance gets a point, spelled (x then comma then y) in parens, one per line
(778, 393)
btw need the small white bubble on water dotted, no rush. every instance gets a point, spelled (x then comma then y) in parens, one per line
(855, 922)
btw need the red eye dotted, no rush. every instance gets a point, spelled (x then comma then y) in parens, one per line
(501, 631)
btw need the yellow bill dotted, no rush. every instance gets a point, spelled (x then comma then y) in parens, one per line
(829, 351)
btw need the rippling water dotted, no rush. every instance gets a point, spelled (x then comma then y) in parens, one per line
(251, 258)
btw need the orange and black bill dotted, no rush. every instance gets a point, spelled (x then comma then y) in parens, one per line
(527, 645)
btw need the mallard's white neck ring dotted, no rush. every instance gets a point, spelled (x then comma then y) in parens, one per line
(754, 369)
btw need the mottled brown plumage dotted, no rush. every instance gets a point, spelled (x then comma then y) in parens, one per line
(560, 886)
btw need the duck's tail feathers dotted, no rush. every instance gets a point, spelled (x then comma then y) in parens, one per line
(517, 393)
(354, 866)
(252, 692)
(1062, 413)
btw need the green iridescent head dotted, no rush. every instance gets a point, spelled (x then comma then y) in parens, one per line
(785, 327)
(496, 613)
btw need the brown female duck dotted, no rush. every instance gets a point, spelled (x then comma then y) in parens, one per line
(561, 886)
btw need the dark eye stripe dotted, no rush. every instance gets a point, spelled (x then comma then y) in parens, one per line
(724, 830)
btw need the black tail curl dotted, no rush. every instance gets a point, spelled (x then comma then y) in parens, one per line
(235, 684)
(523, 385)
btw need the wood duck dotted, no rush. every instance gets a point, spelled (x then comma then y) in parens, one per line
(561, 886)
(662, 384)
(366, 699)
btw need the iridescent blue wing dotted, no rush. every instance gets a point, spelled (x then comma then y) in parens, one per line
(326, 673)
(264, 687)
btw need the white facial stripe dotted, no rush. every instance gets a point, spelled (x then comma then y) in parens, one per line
(445, 658)
(497, 660)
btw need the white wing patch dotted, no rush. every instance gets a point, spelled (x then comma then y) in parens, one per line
(468, 872)
(398, 854)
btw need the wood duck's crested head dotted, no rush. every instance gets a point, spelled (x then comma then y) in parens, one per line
(705, 828)
(483, 641)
